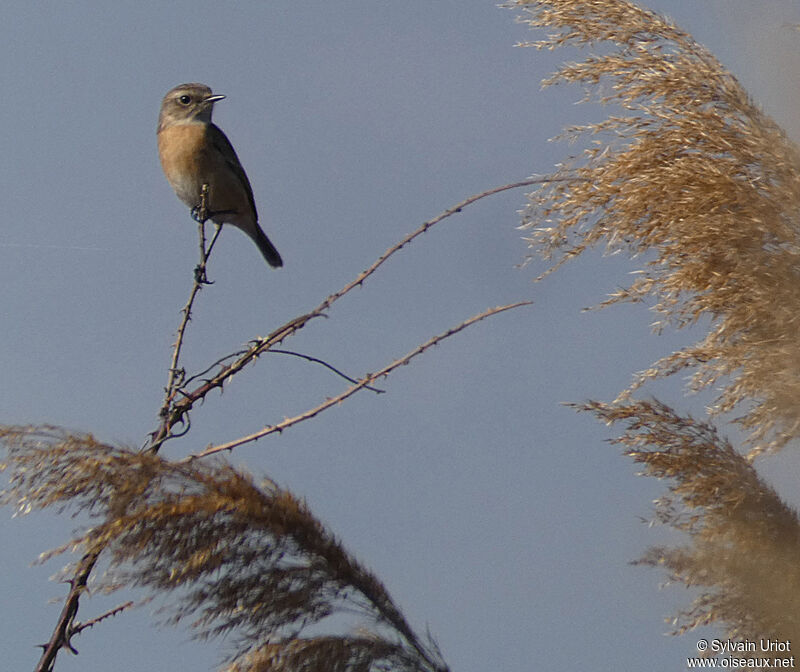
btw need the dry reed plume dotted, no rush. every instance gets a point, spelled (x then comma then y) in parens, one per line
(696, 179)
(241, 560)
(694, 174)
(744, 541)
(248, 562)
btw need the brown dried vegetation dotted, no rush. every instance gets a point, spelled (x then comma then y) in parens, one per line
(702, 184)
(744, 541)
(243, 560)
(694, 174)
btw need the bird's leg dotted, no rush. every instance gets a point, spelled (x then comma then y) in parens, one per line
(201, 215)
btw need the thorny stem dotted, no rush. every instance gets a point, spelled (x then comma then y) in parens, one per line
(423, 229)
(172, 412)
(176, 411)
(80, 627)
(360, 384)
(65, 627)
(177, 374)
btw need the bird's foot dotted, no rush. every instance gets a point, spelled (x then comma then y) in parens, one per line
(199, 214)
(200, 276)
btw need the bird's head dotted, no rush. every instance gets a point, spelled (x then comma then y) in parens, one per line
(187, 104)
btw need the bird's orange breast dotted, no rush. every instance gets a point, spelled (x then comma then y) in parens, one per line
(185, 159)
(190, 159)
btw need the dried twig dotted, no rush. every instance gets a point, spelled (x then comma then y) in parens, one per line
(177, 374)
(80, 627)
(361, 384)
(422, 229)
(317, 360)
(178, 402)
(65, 628)
(178, 409)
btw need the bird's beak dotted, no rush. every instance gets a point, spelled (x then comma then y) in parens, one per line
(214, 98)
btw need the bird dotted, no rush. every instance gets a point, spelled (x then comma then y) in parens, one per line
(195, 152)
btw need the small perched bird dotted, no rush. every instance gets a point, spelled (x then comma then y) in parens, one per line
(194, 152)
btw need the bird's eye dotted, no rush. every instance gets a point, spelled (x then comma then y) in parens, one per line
(184, 99)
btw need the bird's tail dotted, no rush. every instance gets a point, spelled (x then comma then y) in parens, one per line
(267, 248)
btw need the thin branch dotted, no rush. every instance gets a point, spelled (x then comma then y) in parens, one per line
(422, 229)
(362, 383)
(178, 412)
(219, 362)
(174, 412)
(177, 375)
(64, 629)
(80, 627)
(178, 409)
(326, 365)
(217, 231)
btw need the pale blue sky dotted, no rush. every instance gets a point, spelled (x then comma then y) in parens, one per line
(496, 517)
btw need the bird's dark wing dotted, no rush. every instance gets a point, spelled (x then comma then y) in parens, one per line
(224, 146)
